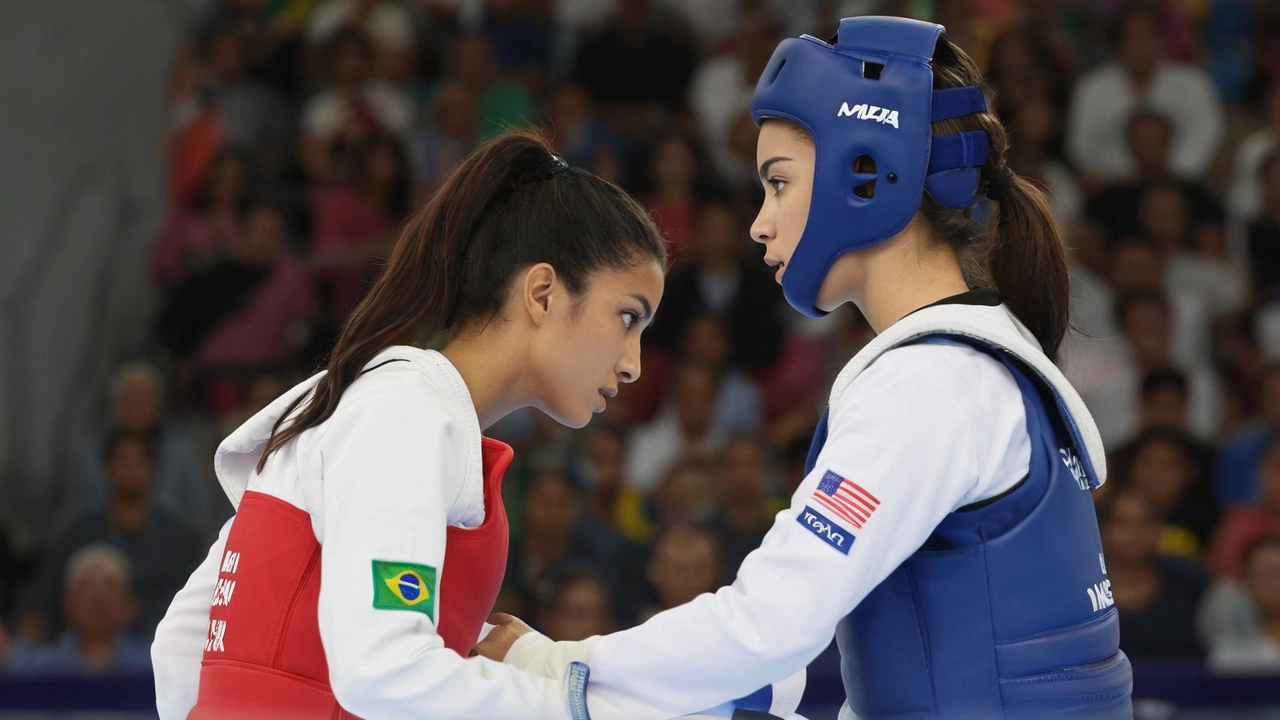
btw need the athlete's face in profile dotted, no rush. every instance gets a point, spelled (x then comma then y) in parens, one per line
(784, 159)
(590, 346)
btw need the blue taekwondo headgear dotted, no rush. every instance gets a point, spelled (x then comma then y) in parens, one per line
(871, 93)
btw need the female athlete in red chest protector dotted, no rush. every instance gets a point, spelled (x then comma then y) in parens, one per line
(369, 539)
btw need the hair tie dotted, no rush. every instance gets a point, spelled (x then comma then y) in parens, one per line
(559, 166)
(997, 187)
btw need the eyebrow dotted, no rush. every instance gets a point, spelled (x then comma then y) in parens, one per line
(764, 167)
(648, 309)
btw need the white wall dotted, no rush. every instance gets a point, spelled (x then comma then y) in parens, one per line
(81, 133)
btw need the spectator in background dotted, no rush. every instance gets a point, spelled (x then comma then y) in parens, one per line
(557, 536)
(747, 503)
(353, 107)
(1255, 648)
(1157, 596)
(520, 37)
(1239, 461)
(354, 224)
(1264, 233)
(1195, 260)
(735, 163)
(98, 606)
(1139, 267)
(454, 130)
(1033, 128)
(1242, 525)
(247, 313)
(684, 427)
(388, 24)
(1158, 467)
(579, 136)
(192, 238)
(1117, 208)
(1247, 199)
(686, 562)
(637, 72)
(722, 85)
(503, 104)
(739, 404)
(1140, 77)
(161, 549)
(1031, 64)
(724, 283)
(577, 607)
(136, 408)
(686, 495)
(602, 466)
(249, 114)
(1165, 396)
(675, 172)
(1109, 377)
(274, 30)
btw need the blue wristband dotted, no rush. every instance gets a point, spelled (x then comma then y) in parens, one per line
(578, 674)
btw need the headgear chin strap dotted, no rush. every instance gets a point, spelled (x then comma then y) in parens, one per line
(869, 94)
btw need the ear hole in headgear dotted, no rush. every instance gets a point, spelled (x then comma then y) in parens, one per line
(864, 176)
(871, 71)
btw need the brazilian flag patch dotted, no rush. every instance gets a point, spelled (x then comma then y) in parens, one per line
(404, 586)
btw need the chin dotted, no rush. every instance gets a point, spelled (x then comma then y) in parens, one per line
(575, 419)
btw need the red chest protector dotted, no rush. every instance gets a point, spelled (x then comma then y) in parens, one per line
(263, 657)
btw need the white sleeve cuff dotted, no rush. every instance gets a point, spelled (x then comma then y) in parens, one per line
(538, 654)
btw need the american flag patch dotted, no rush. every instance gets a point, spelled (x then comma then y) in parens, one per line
(847, 500)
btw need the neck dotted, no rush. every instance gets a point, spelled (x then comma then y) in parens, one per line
(490, 369)
(903, 276)
(547, 548)
(129, 513)
(1139, 77)
(96, 648)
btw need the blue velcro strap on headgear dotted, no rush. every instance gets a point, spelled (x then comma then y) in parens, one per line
(957, 102)
(955, 163)
(966, 149)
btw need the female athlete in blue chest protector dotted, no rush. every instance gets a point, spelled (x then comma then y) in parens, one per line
(944, 532)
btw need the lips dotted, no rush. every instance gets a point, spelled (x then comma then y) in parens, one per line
(605, 394)
(780, 264)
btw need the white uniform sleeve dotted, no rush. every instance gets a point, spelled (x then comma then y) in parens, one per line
(178, 647)
(904, 436)
(386, 454)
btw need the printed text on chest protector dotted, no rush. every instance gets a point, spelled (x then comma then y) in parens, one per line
(222, 594)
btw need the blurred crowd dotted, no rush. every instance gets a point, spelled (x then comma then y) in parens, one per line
(303, 132)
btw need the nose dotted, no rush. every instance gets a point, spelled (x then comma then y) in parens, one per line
(628, 367)
(763, 229)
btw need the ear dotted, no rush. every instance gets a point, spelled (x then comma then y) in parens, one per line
(537, 287)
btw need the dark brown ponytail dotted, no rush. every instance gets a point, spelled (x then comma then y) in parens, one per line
(1020, 251)
(508, 205)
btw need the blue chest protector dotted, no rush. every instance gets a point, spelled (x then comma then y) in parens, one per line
(1006, 610)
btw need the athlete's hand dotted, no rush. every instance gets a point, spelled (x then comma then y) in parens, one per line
(507, 629)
